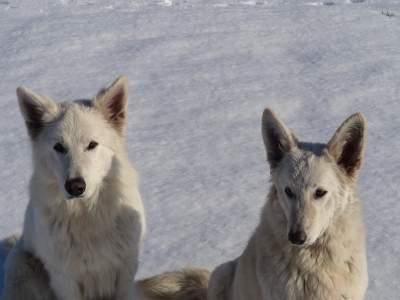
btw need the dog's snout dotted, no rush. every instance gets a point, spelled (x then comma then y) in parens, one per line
(298, 237)
(75, 186)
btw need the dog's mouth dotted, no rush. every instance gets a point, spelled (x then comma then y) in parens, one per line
(69, 197)
(304, 245)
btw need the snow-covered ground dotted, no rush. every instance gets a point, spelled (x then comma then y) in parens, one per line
(200, 74)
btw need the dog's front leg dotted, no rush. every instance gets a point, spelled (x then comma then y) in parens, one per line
(125, 279)
(25, 276)
(65, 288)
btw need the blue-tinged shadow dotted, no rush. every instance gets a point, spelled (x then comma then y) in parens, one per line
(2, 260)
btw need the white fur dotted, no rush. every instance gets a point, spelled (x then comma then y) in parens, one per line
(84, 246)
(309, 245)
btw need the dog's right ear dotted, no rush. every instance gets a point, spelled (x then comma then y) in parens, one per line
(35, 109)
(277, 137)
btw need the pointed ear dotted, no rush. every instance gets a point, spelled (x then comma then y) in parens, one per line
(348, 143)
(36, 110)
(112, 103)
(277, 138)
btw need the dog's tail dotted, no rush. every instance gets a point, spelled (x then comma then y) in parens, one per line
(184, 284)
(10, 242)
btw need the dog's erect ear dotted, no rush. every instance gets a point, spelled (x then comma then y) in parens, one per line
(112, 103)
(36, 110)
(277, 138)
(348, 143)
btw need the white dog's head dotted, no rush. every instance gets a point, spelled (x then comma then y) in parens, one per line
(312, 180)
(75, 141)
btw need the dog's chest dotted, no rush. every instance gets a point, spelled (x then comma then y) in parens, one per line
(85, 248)
(302, 276)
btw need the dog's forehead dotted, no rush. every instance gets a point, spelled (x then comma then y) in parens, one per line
(78, 120)
(305, 167)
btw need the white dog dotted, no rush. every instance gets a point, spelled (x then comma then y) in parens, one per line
(309, 244)
(84, 221)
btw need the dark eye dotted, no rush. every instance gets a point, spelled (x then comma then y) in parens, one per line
(59, 148)
(319, 193)
(288, 191)
(92, 145)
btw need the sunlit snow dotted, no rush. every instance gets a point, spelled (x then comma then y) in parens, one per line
(200, 74)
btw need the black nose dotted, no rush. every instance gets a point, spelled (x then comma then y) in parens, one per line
(297, 238)
(75, 186)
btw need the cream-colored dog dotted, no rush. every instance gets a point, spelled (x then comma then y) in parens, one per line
(309, 244)
(84, 220)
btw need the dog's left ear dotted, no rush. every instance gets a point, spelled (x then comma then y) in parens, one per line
(348, 144)
(112, 103)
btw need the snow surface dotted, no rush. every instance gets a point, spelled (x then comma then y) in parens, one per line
(200, 74)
